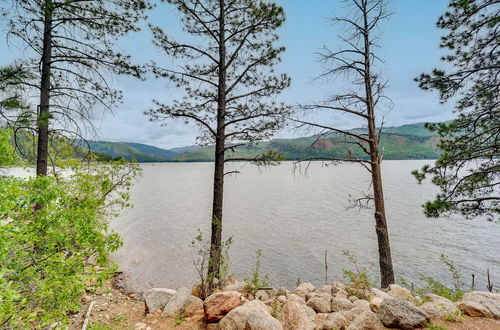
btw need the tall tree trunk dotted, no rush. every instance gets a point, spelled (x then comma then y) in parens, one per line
(384, 247)
(214, 265)
(43, 110)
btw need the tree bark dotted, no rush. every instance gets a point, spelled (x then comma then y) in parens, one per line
(43, 110)
(384, 247)
(214, 265)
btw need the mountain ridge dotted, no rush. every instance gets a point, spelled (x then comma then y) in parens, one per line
(411, 141)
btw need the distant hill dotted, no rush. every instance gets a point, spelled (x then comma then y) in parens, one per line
(119, 149)
(154, 151)
(400, 142)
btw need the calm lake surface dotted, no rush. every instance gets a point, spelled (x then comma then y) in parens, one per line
(294, 218)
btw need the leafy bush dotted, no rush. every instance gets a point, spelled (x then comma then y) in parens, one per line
(360, 284)
(6, 151)
(430, 285)
(201, 259)
(55, 239)
(256, 282)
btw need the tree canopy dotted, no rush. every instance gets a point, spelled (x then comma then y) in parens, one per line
(468, 170)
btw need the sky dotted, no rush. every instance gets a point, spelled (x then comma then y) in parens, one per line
(409, 47)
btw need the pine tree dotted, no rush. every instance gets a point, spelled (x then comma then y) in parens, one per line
(70, 49)
(468, 170)
(227, 73)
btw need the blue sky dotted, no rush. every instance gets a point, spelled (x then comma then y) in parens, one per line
(409, 47)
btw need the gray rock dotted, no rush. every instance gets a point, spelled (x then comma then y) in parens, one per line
(327, 289)
(337, 320)
(237, 318)
(481, 304)
(367, 320)
(381, 294)
(177, 302)
(438, 307)
(238, 286)
(157, 298)
(399, 313)
(260, 320)
(261, 295)
(341, 304)
(362, 303)
(320, 305)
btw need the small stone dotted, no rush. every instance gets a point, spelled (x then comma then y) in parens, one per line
(320, 305)
(353, 298)
(140, 326)
(327, 289)
(86, 299)
(340, 304)
(362, 303)
(261, 295)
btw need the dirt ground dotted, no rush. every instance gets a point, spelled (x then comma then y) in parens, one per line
(115, 309)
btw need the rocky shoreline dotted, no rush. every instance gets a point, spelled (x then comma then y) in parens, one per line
(333, 306)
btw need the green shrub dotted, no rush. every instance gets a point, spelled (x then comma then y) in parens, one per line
(55, 239)
(360, 284)
(254, 283)
(430, 285)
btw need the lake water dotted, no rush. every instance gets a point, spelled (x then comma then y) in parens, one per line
(294, 218)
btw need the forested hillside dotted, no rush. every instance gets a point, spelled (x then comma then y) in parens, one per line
(400, 142)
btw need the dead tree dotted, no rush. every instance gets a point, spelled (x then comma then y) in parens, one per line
(356, 62)
(227, 73)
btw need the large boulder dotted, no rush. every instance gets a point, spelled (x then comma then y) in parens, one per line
(320, 305)
(193, 306)
(260, 320)
(341, 304)
(177, 302)
(336, 320)
(399, 313)
(362, 303)
(438, 307)
(379, 293)
(237, 318)
(219, 304)
(367, 320)
(157, 298)
(399, 292)
(295, 315)
(480, 304)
